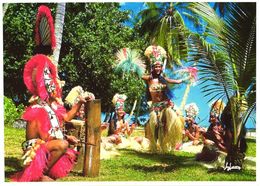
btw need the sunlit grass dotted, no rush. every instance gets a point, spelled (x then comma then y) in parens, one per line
(135, 166)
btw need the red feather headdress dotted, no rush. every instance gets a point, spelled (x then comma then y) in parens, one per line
(33, 76)
(44, 31)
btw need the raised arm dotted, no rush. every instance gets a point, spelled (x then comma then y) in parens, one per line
(73, 111)
(75, 108)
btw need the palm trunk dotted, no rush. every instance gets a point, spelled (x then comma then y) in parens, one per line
(59, 22)
(236, 155)
(5, 7)
(132, 111)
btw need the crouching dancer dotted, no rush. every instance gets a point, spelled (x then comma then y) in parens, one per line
(46, 153)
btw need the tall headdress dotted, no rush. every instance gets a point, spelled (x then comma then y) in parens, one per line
(155, 54)
(216, 108)
(191, 110)
(44, 31)
(119, 101)
(40, 74)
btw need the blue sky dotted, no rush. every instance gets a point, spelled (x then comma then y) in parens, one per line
(195, 94)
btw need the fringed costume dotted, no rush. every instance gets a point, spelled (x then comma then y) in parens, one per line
(165, 126)
(40, 78)
(36, 154)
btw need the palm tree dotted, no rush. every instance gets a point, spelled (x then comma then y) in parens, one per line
(59, 22)
(228, 67)
(165, 25)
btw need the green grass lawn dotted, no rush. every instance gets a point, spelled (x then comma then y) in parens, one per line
(135, 166)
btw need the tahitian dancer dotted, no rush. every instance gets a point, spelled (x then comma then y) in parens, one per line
(165, 125)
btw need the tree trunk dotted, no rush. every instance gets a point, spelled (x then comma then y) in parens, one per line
(59, 23)
(5, 7)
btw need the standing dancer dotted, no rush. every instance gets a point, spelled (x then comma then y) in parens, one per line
(165, 125)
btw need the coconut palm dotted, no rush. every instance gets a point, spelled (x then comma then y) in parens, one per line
(165, 25)
(228, 67)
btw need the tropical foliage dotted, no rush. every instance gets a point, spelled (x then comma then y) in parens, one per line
(228, 64)
(11, 112)
(165, 25)
(224, 49)
(93, 33)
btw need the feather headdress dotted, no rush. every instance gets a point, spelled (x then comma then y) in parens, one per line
(40, 77)
(44, 31)
(217, 107)
(155, 54)
(119, 101)
(129, 61)
(191, 110)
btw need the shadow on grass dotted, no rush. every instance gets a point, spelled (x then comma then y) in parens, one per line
(252, 140)
(13, 164)
(236, 172)
(154, 168)
(163, 162)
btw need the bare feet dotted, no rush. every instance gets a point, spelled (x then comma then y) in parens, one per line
(46, 178)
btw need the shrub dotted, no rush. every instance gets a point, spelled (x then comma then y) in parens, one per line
(11, 112)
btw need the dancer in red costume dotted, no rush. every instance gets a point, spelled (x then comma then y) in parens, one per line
(46, 153)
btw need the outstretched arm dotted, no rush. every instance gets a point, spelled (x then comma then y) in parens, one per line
(176, 81)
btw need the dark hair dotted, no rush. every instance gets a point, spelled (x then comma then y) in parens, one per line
(155, 75)
(41, 49)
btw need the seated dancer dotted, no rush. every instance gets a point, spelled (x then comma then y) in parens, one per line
(214, 137)
(192, 129)
(118, 126)
(46, 153)
(119, 133)
(164, 124)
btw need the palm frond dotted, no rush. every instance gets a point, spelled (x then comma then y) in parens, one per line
(166, 28)
(209, 16)
(214, 70)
